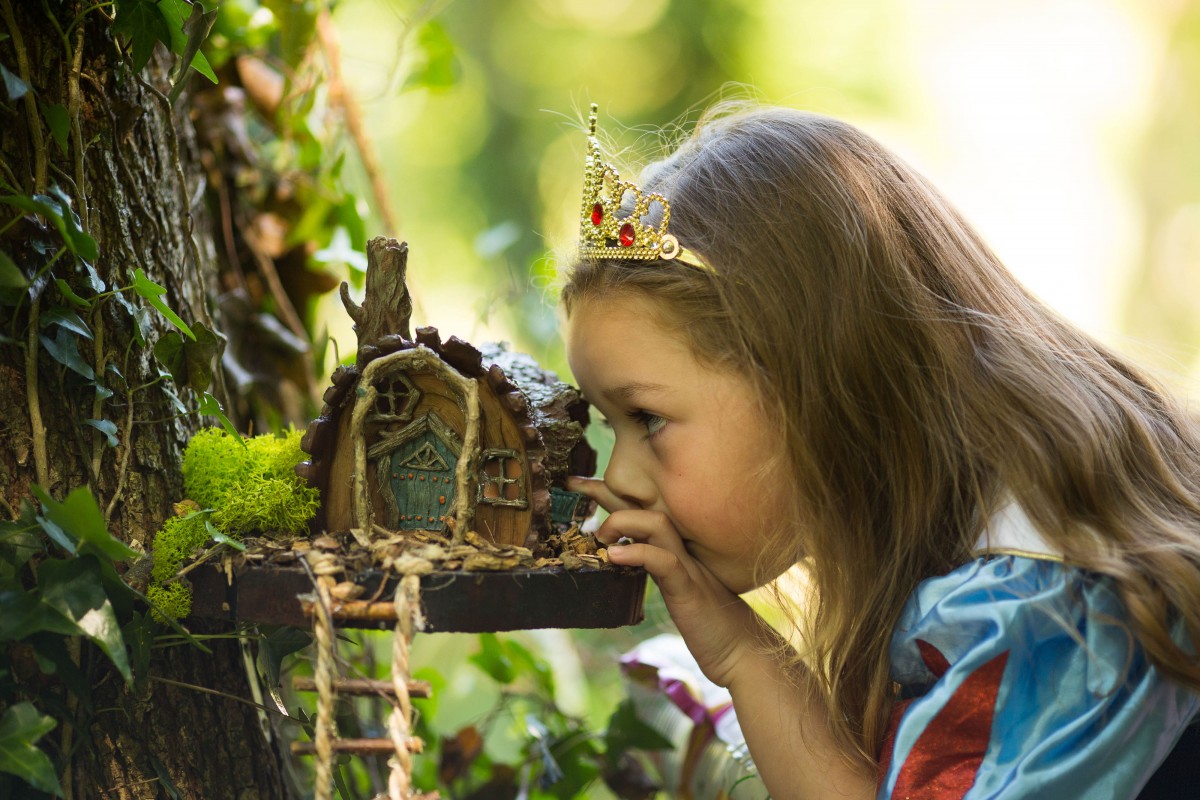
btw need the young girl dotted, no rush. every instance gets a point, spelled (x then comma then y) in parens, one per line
(808, 356)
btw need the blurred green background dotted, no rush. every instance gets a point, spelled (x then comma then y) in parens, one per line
(1066, 130)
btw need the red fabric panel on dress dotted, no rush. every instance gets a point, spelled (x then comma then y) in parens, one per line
(946, 757)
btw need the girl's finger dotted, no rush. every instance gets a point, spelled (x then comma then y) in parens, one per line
(651, 527)
(665, 567)
(597, 490)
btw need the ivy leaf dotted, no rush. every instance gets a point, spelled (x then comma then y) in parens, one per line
(73, 588)
(152, 293)
(105, 426)
(210, 406)
(67, 319)
(178, 14)
(20, 727)
(190, 363)
(59, 123)
(195, 31)
(13, 84)
(63, 349)
(278, 642)
(143, 24)
(57, 210)
(80, 516)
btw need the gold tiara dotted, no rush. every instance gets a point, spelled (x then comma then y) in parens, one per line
(605, 233)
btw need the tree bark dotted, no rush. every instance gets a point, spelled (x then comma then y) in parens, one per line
(132, 170)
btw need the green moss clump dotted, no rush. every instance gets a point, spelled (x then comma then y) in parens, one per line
(243, 486)
(181, 536)
(172, 600)
(250, 488)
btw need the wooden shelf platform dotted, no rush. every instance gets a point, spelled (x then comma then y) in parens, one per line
(451, 601)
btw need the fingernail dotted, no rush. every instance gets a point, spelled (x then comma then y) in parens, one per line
(623, 540)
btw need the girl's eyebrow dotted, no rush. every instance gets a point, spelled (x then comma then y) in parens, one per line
(628, 390)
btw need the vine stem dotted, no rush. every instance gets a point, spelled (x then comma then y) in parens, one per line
(323, 633)
(76, 129)
(97, 402)
(31, 112)
(127, 443)
(408, 608)
(37, 428)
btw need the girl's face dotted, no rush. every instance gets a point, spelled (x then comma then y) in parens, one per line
(691, 440)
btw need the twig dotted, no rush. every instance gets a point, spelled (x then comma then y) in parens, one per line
(226, 695)
(31, 112)
(339, 96)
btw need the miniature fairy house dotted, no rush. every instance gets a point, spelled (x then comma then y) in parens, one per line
(422, 434)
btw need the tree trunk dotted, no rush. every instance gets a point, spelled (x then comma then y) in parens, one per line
(131, 168)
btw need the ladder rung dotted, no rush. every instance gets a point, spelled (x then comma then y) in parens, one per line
(381, 610)
(359, 747)
(363, 687)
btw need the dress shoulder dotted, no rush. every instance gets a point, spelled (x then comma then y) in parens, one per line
(1019, 677)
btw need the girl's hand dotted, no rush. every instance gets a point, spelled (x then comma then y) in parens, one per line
(717, 625)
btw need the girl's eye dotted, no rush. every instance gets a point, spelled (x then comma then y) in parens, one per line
(651, 422)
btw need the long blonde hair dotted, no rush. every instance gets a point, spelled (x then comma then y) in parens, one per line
(917, 381)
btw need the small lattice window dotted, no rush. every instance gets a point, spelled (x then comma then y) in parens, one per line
(396, 398)
(502, 479)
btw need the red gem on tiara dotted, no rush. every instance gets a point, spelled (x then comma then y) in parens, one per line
(597, 214)
(626, 235)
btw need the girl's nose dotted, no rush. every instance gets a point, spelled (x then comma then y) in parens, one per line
(626, 479)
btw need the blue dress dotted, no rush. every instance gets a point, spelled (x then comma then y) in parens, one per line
(1019, 678)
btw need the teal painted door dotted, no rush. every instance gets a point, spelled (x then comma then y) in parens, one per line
(422, 482)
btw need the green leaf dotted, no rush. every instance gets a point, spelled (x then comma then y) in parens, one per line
(279, 641)
(73, 588)
(23, 614)
(19, 541)
(440, 69)
(221, 538)
(57, 210)
(77, 240)
(190, 363)
(69, 295)
(627, 732)
(493, 659)
(210, 407)
(20, 727)
(54, 659)
(151, 292)
(80, 516)
(59, 122)
(13, 84)
(57, 534)
(107, 427)
(62, 349)
(195, 31)
(178, 14)
(67, 319)
(143, 24)
(11, 276)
